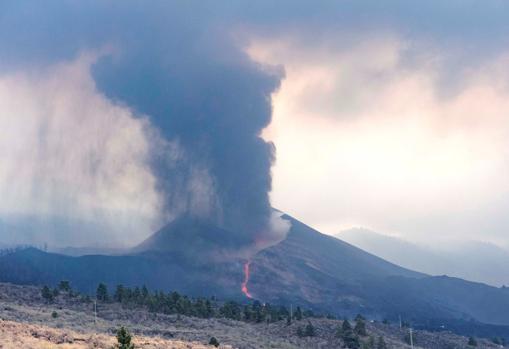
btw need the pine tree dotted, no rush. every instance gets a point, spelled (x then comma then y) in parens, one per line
(144, 293)
(381, 343)
(360, 327)
(118, 296)
(351, 340)
(345, 327)
(65, 286)
(208, 306)
(137, 295)
(124, 339)
(47, 294)
(309, 331)
(371, 342)
(348, 336)
(300, 331)
(102, 293)
(298, 314)
(472, 342)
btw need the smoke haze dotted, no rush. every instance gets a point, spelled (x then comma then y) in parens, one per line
(166, 87)
(396, 105)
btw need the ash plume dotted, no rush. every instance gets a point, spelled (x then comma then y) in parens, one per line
(178, 65)
(214, 104)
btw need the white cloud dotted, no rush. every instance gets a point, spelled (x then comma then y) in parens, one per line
(68, 153)
(366, 136)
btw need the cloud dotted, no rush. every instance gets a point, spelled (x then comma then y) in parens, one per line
(380, 98)
(366, 136)
(68, 154)
(180, 68)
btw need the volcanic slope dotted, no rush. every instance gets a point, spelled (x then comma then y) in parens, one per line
(307, 268)
(321, 271)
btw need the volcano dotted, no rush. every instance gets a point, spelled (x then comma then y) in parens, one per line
(307, 268)
(191, 238)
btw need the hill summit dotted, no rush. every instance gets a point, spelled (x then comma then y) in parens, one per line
(196, 238)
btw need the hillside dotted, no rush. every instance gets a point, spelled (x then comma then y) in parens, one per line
(470, 260)
(307, 268)
(26, 321)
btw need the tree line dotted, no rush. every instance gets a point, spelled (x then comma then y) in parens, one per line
(354, 337)
(176, 303)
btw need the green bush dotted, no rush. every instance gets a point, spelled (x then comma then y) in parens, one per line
(124, 339)
(213, 341)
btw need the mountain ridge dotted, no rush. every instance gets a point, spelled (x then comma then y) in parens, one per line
(474, 260)
(307, 268)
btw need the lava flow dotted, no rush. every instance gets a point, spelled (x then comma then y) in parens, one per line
(246, 280)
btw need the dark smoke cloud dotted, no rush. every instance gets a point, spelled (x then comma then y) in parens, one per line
(176, 63)
(215, 102)
(182, 64)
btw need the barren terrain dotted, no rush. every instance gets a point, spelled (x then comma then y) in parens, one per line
(26, 321)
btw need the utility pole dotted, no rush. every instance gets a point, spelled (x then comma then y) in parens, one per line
(400, 322)
(291, 312)
(95, 312)
(411, 339)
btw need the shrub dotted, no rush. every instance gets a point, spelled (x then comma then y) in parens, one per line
(124, 339)
(472, 342)
(309, 331)
(213, 341)
(47, 294)
(65, 286)
(300, 331)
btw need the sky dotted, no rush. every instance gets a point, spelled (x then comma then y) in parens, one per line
(391, 116)
(365, 139)
(394, 125)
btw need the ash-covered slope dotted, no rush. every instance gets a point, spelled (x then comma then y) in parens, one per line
(195, 239)
(307, 268)
(316, 269)
(187, 255)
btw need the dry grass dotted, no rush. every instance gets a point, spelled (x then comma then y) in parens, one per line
(15, 335)
(26, 321)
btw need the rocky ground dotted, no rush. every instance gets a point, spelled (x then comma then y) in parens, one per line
(27, 321)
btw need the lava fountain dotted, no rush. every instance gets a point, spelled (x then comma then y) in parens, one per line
(246, 280)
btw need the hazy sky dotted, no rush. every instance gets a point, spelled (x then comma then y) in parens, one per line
(389, 115)
(366, 138)
(398, 122)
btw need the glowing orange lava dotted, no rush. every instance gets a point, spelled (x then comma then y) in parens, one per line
(246, 280)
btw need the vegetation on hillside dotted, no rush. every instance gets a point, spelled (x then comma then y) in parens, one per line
(175, 303)
(352, 335)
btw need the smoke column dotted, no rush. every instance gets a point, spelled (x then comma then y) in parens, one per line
(177, 64)
(215, 107)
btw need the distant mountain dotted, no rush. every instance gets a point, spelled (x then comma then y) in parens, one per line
(472, 260)
(307, 268)
(84, 251)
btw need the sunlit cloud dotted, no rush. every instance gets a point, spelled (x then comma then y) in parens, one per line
(367, 133)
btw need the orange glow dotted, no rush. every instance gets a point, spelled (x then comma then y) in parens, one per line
(246, 280)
